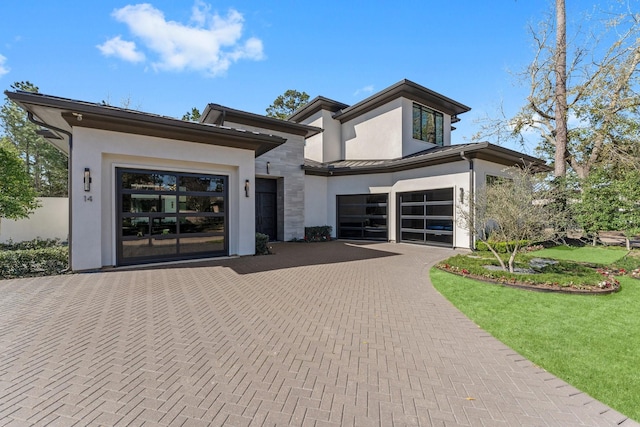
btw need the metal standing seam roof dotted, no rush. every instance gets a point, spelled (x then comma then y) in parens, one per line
(429, 157)
(95, 115)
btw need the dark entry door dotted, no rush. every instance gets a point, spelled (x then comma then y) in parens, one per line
(267, 207)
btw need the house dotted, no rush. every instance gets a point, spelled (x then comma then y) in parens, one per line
(145, 187)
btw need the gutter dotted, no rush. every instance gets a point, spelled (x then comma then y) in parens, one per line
(69, 183)
(471, 194)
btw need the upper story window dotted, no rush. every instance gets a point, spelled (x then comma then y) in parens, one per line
(428, 125)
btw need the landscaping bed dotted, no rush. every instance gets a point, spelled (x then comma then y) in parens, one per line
(540, 270)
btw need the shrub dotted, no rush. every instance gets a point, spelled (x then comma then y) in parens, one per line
(33, 262)
(501, 247)
(318, 234)
(36, 243)
(262, 241)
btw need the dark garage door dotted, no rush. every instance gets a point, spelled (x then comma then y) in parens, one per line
(363, 216)
(169, 216)
(426, 217)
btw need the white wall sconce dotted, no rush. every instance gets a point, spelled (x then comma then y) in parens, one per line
(87, 179)
(268, 168)
(247, 187)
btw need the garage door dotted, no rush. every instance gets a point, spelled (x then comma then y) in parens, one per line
(363, 216)
(169, 216)
(426, 217)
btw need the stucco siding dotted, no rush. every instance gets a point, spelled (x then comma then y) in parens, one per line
(93, 225)
(49, 221)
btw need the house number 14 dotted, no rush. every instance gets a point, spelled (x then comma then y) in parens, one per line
(88, 198)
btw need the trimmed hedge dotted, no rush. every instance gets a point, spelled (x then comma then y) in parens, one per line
(318, 234)
(262, 241)
(33, 262)
(36, 243)
(501, 247)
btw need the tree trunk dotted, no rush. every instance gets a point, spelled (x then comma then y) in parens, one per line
(561, 90)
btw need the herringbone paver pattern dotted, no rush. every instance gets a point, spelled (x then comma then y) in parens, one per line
(316, 335)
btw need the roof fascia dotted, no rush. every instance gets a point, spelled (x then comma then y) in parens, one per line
(316, 104)
(405, 89)
(89, 115)
(482, 151)
(216, 112)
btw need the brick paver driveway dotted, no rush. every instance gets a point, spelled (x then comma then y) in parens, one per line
(318, 334)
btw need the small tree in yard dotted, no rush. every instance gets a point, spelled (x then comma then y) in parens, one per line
(508, 211)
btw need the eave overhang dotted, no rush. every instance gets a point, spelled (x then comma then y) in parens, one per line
(404, 89)
(50, 109)
(316, 104)
(219, 115)
(432, 157)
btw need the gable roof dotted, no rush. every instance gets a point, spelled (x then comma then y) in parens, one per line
(403, 89)
(219, 114)
(430, 157)
(61, 115)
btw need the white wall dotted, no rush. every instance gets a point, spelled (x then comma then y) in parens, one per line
(93, 227)
(49, 221)
(316, 204)
(375, 135)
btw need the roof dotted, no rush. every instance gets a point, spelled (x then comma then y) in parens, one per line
(316, 104)
(219, 114)
(403, 89)
(430, 157)
(61, 115)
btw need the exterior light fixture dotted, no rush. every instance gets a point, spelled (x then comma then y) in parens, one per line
(268, 168)
(87, 179)
(461, 195)
(246, 187)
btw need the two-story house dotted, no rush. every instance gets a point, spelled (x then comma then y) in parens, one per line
(146, 188)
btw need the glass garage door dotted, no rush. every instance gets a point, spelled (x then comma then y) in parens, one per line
(169, 216)
(427, 217)
(363, 216)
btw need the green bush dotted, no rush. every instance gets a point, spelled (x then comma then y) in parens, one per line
(33, 262)
(318, 234)
(262, 247)
(36, 243)
(501, 247)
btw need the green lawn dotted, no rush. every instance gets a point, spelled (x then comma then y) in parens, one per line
(593, 255)
(592, 342)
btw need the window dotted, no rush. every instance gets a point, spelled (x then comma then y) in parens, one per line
(428, 125)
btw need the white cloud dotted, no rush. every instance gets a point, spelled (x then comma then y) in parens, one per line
(121, 49)
(366, 90)
(3, 68)
(209, 43)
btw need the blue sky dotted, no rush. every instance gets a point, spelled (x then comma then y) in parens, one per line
(168, 56)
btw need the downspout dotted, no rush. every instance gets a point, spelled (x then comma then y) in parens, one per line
(69, 186)
(471, 194)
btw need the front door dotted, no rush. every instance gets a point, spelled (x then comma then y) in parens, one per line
(267, 207)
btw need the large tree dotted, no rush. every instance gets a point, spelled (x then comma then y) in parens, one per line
(583, 95)
(286, 104)
(45, 164)
(17, 197)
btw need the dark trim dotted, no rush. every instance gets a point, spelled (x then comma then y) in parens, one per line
(316, 104)
(405, 89)
(96, 116)
(435, 156)
(219, 114)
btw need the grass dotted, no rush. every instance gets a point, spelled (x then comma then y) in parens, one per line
(588, 254)
(588, 341)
